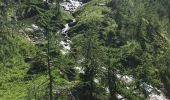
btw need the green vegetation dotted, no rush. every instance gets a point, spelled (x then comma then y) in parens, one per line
(13, 68)
(111, 39)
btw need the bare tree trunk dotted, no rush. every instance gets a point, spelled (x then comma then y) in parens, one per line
(35, 92)
(112, 84)
(49, 69)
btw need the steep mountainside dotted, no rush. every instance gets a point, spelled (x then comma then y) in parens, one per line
(84, 49)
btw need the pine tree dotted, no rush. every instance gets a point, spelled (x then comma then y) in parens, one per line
(90, 50)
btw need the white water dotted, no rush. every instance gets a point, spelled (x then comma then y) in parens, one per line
(65, 44)
(71, 5)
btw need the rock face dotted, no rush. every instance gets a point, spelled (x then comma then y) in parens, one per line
(153, 92)
(33, 33)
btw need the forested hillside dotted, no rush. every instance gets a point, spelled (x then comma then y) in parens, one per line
(84, 49)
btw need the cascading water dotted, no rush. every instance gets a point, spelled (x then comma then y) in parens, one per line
(70, 6)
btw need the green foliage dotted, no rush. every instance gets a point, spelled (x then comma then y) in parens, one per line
(14, 48)
(134, 32)
(126, 37)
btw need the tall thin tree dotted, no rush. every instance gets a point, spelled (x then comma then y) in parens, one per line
(49, 66)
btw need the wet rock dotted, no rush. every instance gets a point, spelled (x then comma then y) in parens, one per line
(65, 44)
(40, 34)
(73, 23)
(66, 38)
(69, 21)
(28, 59)
(64, 34)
